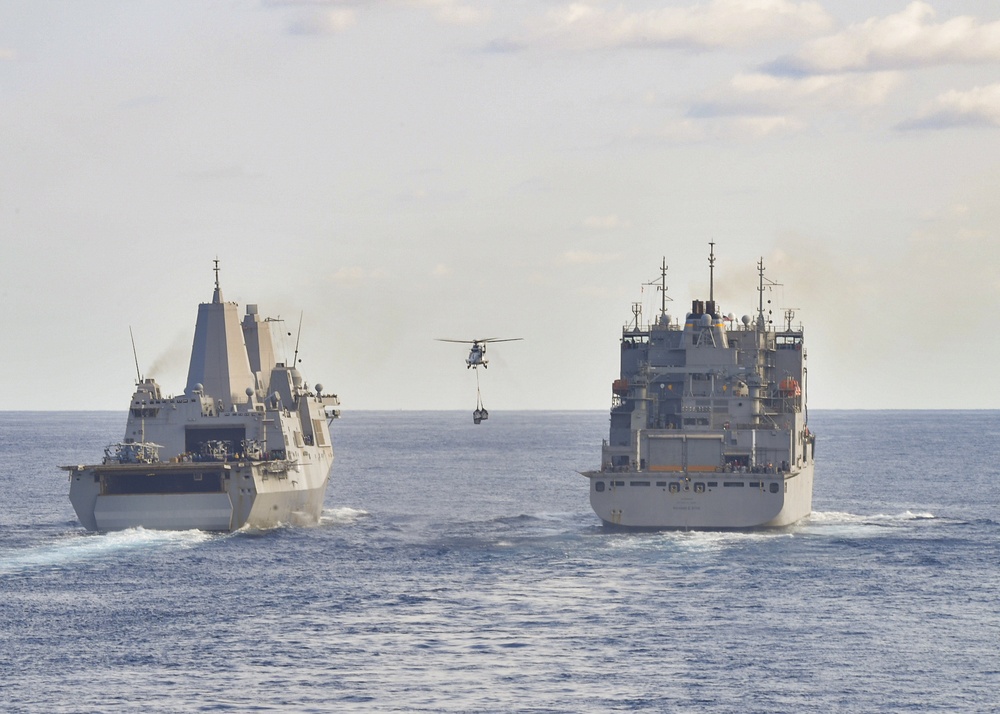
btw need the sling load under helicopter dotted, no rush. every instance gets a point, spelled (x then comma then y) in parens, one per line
(476, 359)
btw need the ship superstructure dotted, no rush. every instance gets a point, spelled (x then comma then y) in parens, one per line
(247, 443)
(709, 424)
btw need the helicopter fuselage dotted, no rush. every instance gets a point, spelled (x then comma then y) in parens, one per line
(477, 357)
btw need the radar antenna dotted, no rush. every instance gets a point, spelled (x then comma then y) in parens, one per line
(789, 317)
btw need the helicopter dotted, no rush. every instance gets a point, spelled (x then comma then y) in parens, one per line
(476, 359)
(477, 354)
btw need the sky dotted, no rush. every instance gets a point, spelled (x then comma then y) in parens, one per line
(390, 172)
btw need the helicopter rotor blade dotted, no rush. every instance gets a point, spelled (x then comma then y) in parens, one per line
(480, 341)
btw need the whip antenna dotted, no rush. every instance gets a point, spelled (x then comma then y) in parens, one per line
(138, 377)
(295, 360)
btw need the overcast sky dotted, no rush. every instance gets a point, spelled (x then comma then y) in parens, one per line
(403, 170)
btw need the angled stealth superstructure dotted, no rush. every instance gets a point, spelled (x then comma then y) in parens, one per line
(220, 361)
(248, 443)
(708, 423)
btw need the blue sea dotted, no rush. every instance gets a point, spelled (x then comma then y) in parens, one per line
(459, 568)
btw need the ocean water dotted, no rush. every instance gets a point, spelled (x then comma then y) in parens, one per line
(459, 568)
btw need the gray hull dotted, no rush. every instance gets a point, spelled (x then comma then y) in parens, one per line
(701, 501)
(108, 498)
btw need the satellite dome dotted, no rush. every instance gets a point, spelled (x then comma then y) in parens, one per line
(745, 319)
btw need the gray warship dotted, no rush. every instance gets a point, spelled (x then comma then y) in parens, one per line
(247, 444)
(709, 423)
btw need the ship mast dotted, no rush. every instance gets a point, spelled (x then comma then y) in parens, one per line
(711, 271)
(217, 297)
(764, 284)
(760, 294)
(662, 287)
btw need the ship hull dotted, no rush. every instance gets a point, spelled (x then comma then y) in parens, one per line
(206, 496)
(701, 501)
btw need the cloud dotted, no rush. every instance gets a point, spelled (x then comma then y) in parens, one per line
(909, 39)
(442, 270)
(451, 12)
(7, 53)
(678, 131)
(748, 127)
(979, 106)
(329, 22)
(762, 126)
(719, 23)
(505, 45)
(857, 67)
(949, 212)
(758, 93)
(344, 13)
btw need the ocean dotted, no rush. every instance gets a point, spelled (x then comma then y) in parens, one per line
(460, 568)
